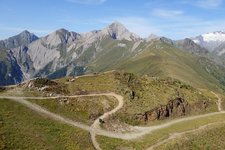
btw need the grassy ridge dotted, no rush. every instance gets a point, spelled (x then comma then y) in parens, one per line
(164, 60)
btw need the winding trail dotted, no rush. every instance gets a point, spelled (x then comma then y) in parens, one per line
(95, 127)
(96, 124)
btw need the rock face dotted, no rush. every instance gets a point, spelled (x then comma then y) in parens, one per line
(175, 108)
(24, 61)
(10, 71)
(64, 53)
(15, 64)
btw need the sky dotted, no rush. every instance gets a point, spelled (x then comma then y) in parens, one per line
(175, 19)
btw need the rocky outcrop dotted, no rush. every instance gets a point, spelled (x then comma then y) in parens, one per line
(175, 108)
(2, 89)
(46, 86)
(40, 83)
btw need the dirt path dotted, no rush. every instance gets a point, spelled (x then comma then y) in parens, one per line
(93, 74)
(95, 128)
(49, 114)
(179, 135)
(219, 101)
(96, 124)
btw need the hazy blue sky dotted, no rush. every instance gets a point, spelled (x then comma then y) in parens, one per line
(175, 19)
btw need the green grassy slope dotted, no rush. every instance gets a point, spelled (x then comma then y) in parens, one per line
(148, 93)
(156, 136)
(21, 128)
(164, 60)
(111, 55)
(140, 94)
(214, 137)
(82, 109)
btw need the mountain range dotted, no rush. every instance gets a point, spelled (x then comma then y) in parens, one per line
(199, 61)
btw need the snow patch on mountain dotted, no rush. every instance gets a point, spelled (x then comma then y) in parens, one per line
(215, 36)
(211, 41)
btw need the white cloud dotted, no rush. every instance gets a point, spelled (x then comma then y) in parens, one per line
(209, 4)
(87, 2)
(167, 13)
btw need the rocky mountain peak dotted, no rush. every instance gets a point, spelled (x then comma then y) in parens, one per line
(166, 40)
(61, 31)
(61, 36)
(117, 26)
(118, 31)
(25, 32)
(211, 40)
(22, 39)
(151, 37)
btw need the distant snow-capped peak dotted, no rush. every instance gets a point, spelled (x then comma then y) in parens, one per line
(210, 40)
(214, 36)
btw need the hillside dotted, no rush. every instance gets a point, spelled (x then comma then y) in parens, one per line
(142, 94)
(158, 58)
(214, 135)
(81, 102)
